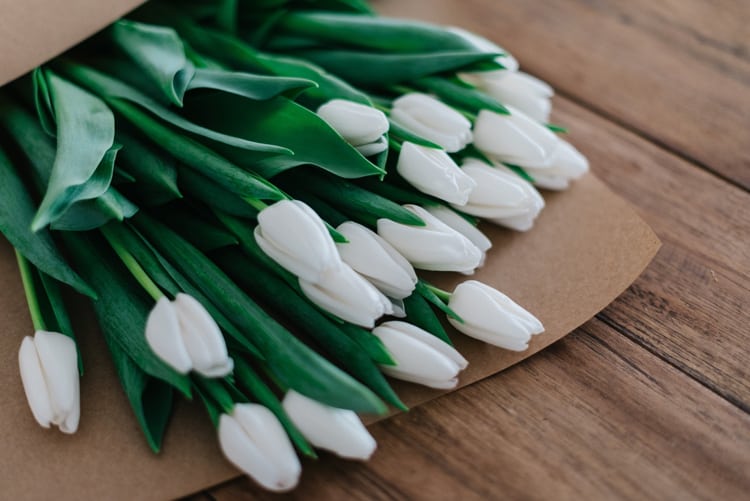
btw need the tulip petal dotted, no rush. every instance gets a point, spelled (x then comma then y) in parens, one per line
(430, 340)
(347, 295)
(34, 384)
(357, 123)
(59, 362)
(294, 236)
(337, 430)
(435, 173)
(164, 336)
(416, 361)
(461, 225)
(202, 338)
(375, 259)
(370, 149)
(433, 120)
(514, 138)
(435, 246)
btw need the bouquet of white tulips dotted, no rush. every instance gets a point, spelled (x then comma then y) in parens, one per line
(248, 193)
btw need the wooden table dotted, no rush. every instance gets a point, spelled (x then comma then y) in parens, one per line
(649, 399)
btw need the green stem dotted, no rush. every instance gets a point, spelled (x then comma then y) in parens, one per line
(444, 296)
(132, 264)
(256, 204)
(31, 296)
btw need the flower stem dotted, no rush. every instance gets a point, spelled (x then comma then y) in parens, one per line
(444, 296)
(256, 204)
(132, 264)
(30, 290)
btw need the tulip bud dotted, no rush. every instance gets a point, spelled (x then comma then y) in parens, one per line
(344, 293)
(375, 259)
(420, 357)
(433, 120)
(360, 125)
(435, 246)
(502, 197)
(253, 440)
(183, 334)
(565, 164)
(514, 138)
(294, 236)
(434, 172)
(516, 89)
(461, 225)
(48, 363)
(337, 430)
(492, 317)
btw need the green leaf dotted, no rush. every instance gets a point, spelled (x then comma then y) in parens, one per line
(423, 289)
(205, 235)
(373, 70)
(159, 54)
(16, 213)
(291, 361)
(214, 195)
(256, 87)
(372, 345)
(115, 91)
(39, 149)
(84, 157)
(122, 307)
(284, 122)
(154, 171)
(150, 398)
(419, 313)
(460, 96)
(350, 199)
(402, 134)
(374, 33)
(557, 128)
(304, 316)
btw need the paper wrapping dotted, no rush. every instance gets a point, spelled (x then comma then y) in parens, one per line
(586, 248)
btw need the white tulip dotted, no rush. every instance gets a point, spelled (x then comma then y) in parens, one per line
(294, 236)
(253, 440)
(360, 125)
(518, 140)
(481, 43)
(434, 172)
(420, 357)
(435, 246)
(514, 138)
(347, 295)
(565, 164)
(48, 363)
(337, 430)
(492, 317)
(502, 197)
(517, 89)
(183, 335)
(432, 120)
(375, 259)
(461, 225)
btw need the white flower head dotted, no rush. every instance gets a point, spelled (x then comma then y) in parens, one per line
(501, 197)
(434, 172)
(376, 260)
(435, 246)
(360, 125)
(519, 90)
(492, 317)
(48, 363)
(420, 357)
(432, 120)
(185, 336)
(294, 236)
(461, 225)
(254, 441)
(337, 430)
(346, 294)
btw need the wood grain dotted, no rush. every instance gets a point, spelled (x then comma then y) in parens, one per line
(689, 305)
(677, 71)
(593, 417)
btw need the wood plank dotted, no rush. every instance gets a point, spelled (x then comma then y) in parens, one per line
(690, 304)
(678, 71)
(593, 417)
